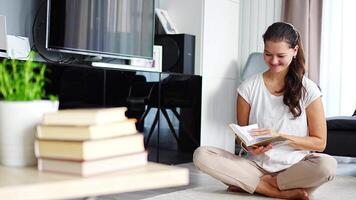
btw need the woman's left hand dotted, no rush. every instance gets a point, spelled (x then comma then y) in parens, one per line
(256, 150)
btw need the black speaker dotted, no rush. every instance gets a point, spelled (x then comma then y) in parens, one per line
(178, 52)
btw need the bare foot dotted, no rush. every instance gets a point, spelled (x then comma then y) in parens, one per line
(272, 180)
(265, 188)
(233, 188)
(295, 194)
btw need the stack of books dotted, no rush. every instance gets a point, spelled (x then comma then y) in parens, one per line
(88, 142)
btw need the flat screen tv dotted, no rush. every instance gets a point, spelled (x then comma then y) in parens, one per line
(106, 28)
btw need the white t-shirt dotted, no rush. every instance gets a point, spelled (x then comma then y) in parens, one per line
(269, 111)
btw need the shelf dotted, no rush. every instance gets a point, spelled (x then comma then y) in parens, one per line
(28, 183)
(126, 67)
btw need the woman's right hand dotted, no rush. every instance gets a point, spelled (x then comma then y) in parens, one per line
(258, 149)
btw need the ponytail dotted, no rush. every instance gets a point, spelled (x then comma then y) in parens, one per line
(293, 82)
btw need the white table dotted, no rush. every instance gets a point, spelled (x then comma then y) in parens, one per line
(28, 183)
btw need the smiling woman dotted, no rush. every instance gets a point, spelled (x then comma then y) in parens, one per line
(285, 57)
(278, 55)
(284, 103)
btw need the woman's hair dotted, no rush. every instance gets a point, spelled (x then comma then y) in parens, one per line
(293, 87)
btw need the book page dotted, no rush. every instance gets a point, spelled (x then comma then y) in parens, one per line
(244, 133)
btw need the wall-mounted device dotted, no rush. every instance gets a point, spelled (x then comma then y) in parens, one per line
(3, 34)
(18, 47)
(15, 47)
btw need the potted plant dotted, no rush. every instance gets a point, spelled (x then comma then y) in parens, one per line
(22, 105)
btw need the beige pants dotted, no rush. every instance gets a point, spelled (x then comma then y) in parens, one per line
(314, 170)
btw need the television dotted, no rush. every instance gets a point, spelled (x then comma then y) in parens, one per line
(104, 28)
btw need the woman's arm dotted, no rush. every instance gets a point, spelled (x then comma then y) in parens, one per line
(242, 116)
(242, 111)
(316, 141)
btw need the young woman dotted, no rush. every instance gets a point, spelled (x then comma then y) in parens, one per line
(282, 101)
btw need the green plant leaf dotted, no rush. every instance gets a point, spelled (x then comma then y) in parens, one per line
(23, 80)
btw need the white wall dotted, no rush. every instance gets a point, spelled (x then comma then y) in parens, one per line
(220, 72)
(215, 24)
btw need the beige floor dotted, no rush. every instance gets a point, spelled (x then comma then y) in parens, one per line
(343, 188)
(201, 185)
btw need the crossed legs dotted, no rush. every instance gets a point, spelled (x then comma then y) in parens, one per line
(242, 174)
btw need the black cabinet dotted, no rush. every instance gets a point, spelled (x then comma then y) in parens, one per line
(167, 106)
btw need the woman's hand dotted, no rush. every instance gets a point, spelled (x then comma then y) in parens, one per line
(263, 131)
(256, 150)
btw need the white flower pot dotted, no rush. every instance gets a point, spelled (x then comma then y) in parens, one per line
(18, 120)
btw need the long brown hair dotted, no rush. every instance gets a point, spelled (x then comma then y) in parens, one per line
(293, 87)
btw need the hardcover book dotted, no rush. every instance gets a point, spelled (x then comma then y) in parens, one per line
(89, 149)
(243, 133)
(89, 132)
(94, 167)
(84, 117)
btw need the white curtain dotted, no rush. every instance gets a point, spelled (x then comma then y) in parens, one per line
(255, 17)
(338, 53)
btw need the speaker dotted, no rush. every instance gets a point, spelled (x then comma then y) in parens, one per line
(178, 52)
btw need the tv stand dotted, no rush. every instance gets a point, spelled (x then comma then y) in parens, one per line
(115, 85)
(125, 67)
(93, 58)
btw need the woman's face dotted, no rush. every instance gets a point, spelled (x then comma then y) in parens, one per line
(278, 55)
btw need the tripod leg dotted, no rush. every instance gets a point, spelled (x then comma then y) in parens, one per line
(176, 113)
(144, 115)
(184, 129)
(152, 128)
(164, 111)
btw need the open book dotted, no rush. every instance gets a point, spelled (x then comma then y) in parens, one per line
(243, 132)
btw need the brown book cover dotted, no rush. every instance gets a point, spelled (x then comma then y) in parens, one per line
(90, 132)
(93, 167)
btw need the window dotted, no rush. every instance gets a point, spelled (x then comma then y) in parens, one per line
(338, 57)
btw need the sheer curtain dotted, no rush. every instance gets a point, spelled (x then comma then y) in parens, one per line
(338, 66)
